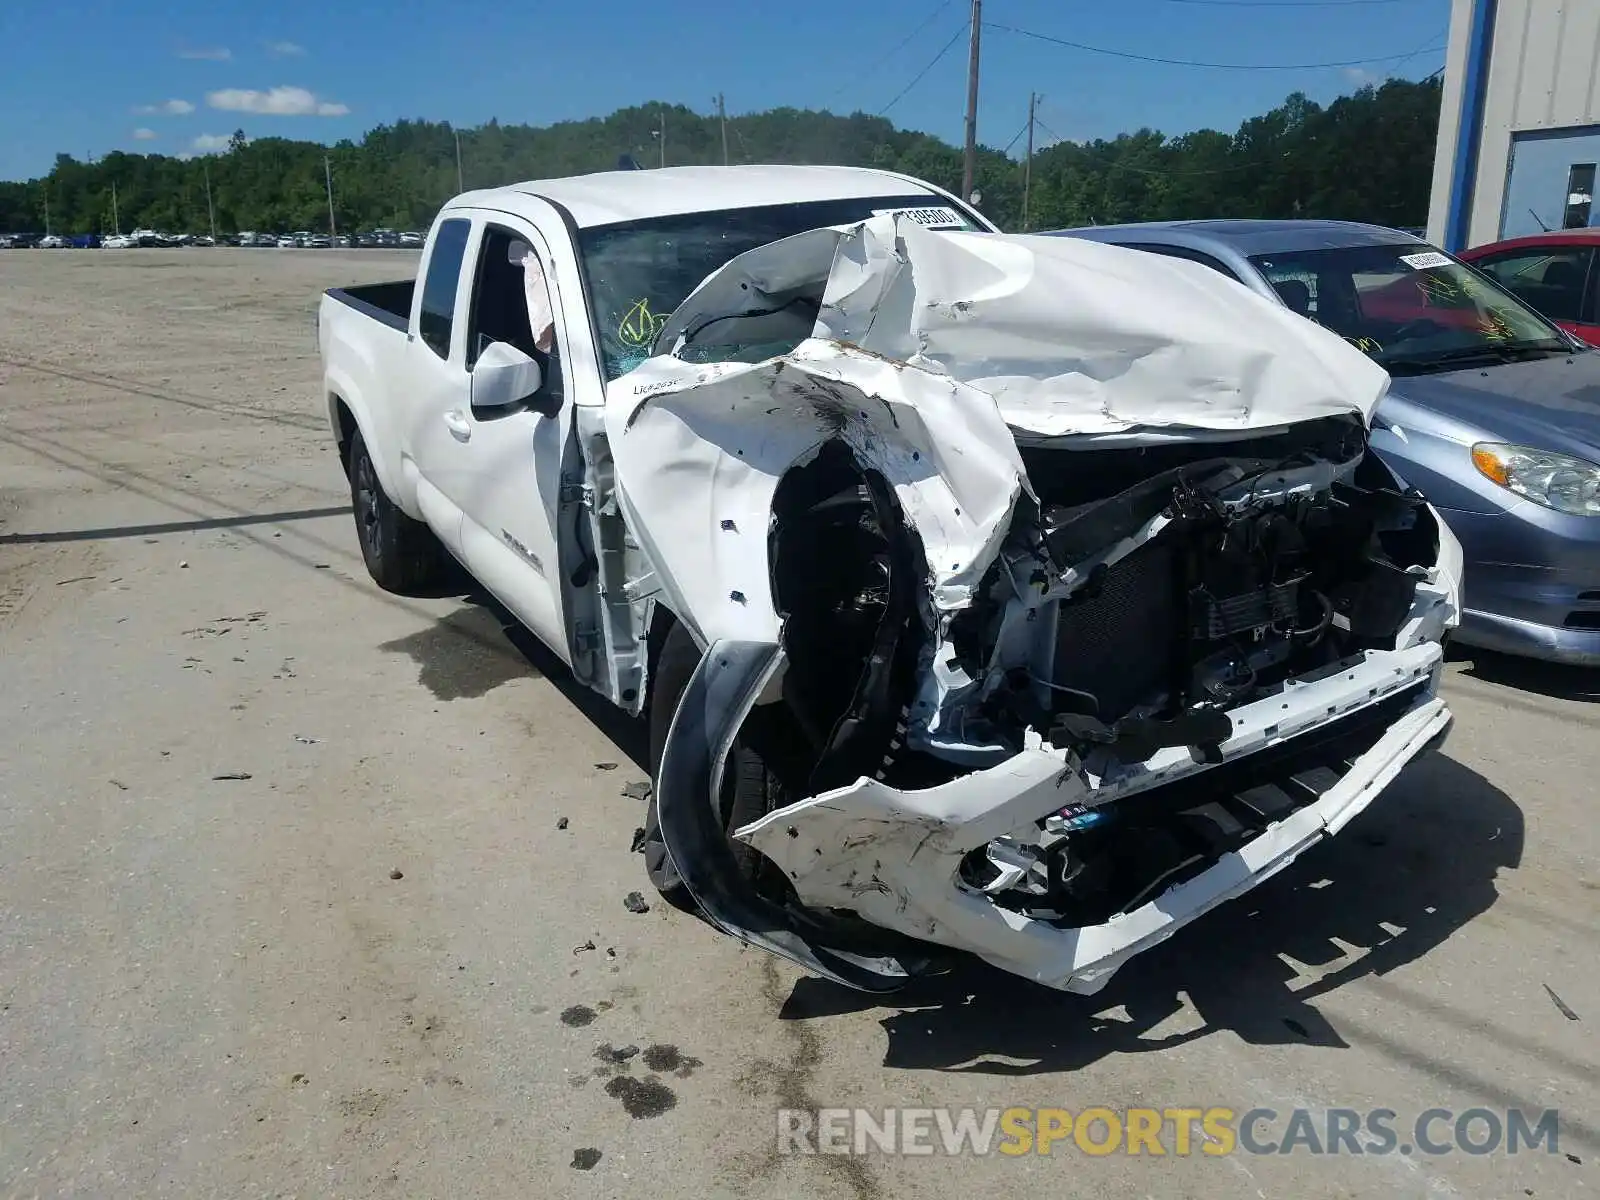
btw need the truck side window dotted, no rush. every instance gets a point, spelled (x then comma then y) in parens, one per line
(439, 288)
(511, 303)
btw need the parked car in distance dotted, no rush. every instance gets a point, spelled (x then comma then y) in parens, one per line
(317, 241)
(1553, 272)
(1493, 413)
(118, 241)
(287, 241)
(411, 240)
(52, 241)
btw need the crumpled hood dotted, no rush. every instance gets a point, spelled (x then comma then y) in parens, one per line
(1070, 337)
(931, 356)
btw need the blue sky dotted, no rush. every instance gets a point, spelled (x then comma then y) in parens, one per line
(89, 76)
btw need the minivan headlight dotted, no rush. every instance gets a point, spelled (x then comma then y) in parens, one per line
(1557, 481)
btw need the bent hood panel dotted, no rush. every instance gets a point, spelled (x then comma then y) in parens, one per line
(700, 450)
(1067, 336)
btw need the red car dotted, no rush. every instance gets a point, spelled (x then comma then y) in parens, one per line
(1554, 272)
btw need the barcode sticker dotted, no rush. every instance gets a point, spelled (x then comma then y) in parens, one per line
(928, 218)
(1422, 262)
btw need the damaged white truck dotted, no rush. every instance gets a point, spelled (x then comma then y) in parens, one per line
(1013, 596)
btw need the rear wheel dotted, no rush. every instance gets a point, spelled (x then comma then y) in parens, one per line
(750, 788)
(402, 555)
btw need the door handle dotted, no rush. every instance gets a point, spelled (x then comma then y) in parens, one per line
(456, 422)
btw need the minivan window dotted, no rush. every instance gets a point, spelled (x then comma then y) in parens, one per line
(439, 288)
(639, 271)
(1409, 307)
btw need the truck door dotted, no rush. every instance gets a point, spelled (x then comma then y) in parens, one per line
(501, 467)
(431, 380)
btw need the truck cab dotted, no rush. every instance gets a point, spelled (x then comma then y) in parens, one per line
(488, 432)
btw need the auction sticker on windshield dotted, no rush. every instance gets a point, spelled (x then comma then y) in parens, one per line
(1423, 262)
(928, 218)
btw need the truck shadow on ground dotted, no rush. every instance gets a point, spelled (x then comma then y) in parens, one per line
(479, 646)
(1399, 881)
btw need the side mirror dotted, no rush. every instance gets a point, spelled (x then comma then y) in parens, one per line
(504, 379)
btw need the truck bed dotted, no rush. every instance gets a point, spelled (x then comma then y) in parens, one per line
(386, 302)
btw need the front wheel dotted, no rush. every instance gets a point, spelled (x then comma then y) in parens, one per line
(402, 555)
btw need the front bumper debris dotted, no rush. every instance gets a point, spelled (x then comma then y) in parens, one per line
(893, 857)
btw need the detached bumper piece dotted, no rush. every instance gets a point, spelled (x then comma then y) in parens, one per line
(720, 694)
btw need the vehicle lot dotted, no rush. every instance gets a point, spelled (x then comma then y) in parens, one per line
(213, 986)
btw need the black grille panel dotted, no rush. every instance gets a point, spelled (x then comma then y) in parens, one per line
(1118, 643)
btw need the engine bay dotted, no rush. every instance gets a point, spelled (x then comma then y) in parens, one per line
(1118, 620)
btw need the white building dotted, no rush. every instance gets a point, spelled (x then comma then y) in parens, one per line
(1519, 129)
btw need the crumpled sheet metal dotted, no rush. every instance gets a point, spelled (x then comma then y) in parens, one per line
(1069, 337)
(931, 355)
(700, 450)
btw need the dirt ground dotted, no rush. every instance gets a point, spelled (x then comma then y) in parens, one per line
(286, 909)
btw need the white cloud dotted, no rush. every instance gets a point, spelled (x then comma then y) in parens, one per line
(1360, 76)
(145, 135)
(207, 53)
(279, 102)
(285, 49)
(169, 108)
(210, 143)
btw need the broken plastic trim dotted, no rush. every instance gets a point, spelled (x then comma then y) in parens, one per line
(720, 694)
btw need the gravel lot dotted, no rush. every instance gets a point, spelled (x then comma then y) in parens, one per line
(285, 908)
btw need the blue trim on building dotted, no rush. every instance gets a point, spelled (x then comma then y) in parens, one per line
(1474, 88)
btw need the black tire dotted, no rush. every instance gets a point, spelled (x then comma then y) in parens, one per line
(750, 788)
(402, 555)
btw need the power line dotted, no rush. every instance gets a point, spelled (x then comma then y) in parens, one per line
(954, 38)
(898, 46)
(1016, 139)
(1039, 121)
(1187, 62)
(1442, 37)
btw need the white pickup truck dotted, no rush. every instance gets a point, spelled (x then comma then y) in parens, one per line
(1015, 596)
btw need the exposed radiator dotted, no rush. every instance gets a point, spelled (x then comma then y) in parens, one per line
(1118, 643)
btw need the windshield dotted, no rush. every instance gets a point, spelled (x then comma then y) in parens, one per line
(1409, 307)
(639, 271)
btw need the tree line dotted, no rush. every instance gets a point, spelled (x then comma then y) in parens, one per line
(1367, 156)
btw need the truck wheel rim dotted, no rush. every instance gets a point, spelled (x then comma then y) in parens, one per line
(367, 506)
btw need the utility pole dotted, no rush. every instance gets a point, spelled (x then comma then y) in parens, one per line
(1027, 163)
(327, 173)
(969, 160)
(46, 190)
(460, 187)
(722, 113)
(662, 134)
(211, 212)
(116, 220)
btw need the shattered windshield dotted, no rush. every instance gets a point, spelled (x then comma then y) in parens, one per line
(1409, 307)
(640, 271)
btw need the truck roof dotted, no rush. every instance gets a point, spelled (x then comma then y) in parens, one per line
(607, 197)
